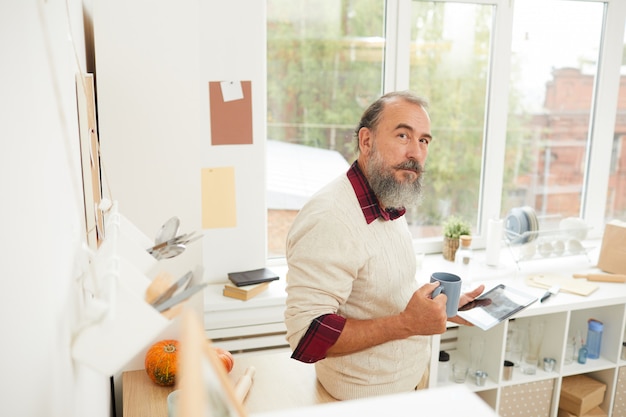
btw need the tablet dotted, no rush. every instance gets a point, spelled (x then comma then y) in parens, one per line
(495, 305)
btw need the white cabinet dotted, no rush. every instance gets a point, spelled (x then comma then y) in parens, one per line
(247, 326)
(563, 316)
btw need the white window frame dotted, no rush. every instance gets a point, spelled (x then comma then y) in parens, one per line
(603, 114)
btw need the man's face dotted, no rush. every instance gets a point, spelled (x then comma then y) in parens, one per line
(393, 156)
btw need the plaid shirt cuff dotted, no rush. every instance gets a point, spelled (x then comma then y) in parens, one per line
(320, 336)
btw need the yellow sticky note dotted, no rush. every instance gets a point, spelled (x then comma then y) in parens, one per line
(218, 198)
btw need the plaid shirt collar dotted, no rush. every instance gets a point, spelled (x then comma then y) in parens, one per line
(367, 199)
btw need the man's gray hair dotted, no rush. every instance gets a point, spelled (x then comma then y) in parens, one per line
(371, 116)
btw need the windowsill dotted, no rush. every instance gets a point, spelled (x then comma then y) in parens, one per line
(478, 271)
(507, 267)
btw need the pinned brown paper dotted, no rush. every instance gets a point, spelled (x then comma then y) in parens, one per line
(613, 249)
(231, 112)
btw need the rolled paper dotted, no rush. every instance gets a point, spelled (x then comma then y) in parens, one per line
(494, 241)
(243, 384)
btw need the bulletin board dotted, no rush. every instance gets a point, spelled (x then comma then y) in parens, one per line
(230, 105)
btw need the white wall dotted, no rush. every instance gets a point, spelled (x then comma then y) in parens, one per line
(154, 60)
(41, 213)
(155, 141)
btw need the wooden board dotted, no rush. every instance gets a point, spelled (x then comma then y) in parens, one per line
(142, 397)
(567, 284)
(90, 158)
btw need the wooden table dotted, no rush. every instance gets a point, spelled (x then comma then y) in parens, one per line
(142, 397)
(279, 383)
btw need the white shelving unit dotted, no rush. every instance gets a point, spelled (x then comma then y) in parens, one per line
(563, 316)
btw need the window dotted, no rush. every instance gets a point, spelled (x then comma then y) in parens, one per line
(522, 103)
(449, 65)
(325, 65)
(616, 196)
(554, 63)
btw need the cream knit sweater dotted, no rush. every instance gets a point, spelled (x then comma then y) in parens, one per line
(340, 264)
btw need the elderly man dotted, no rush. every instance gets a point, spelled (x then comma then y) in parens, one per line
(354, 307)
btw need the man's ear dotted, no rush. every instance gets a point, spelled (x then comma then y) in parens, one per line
(365, 140)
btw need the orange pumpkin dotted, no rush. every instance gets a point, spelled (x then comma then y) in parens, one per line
(226, 358)
(161, 362)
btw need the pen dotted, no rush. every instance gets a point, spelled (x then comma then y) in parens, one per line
(552, 291)
(545, 296)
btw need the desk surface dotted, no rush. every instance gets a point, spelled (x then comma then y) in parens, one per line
(279, 383)
(455, 400)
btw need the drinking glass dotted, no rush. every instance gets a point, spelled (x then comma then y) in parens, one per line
(459, 372)
(514, 343)
(477, 347)
(532, 348)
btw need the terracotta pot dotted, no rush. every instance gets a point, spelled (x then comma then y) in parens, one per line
(449, 248)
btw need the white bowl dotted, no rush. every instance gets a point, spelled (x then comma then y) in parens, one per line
(545, 249)
(574, 227)
(172, 403)
(558, 247)
(575, 247)
(527, 250)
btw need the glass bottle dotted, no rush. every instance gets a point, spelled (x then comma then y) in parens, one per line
(594, 338)
(463, 259)
(582, 354)
(570, 351)
(463, 254)
(443, 369)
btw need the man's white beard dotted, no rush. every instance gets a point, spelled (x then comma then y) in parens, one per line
(392, 194)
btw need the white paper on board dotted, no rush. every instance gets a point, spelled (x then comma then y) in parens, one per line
(231, 90)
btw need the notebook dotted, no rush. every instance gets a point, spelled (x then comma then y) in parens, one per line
(254, 276)
(495, 306)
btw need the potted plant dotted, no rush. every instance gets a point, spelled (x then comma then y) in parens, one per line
(453, 228)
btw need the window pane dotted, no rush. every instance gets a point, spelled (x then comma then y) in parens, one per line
(450, 53)
(324, 66)
(553, 68)
(616, 198)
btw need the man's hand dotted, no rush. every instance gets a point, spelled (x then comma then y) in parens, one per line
(425, 315)
(466, 298)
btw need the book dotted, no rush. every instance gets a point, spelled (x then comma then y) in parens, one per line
(251, 277)
(246, 292)
(495, 306)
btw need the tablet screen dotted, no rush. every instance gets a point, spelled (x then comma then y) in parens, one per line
(494, 306)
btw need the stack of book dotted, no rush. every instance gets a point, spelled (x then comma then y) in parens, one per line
(245, 285)
(246, 292)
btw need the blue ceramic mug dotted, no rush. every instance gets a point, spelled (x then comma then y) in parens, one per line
(450, 285)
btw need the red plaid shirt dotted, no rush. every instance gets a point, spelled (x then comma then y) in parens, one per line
(324, 331)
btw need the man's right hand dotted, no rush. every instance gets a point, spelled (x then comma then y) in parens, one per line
(425, 315)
